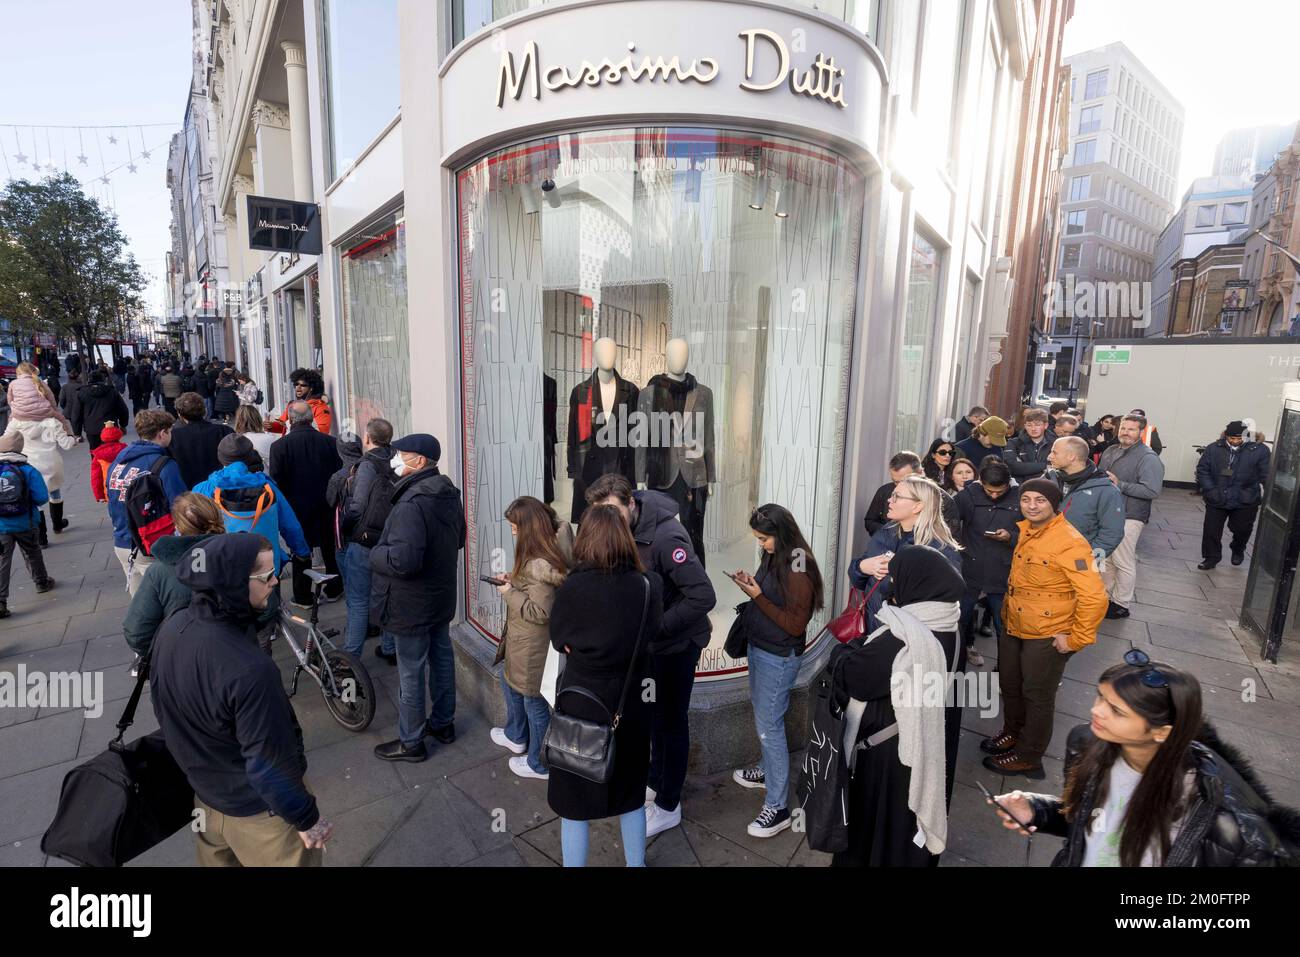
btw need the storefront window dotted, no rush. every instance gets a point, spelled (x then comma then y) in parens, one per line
(361, 39)
(617, 248)
(376, 360)
(920, 328)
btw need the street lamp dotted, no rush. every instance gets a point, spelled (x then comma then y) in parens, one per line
(1285, 252)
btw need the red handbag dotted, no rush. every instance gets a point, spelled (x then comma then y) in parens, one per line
(852, 621)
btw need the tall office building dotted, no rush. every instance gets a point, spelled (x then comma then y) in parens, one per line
(1121, 173)
(1248, 151)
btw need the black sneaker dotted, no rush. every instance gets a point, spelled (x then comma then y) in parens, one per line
(444, 735)
(4, 610)
(1116, 611)
(750, 777)
(45, 586)
(396, 751)
(770, 822)
(1206, 565)
(379, 653)
(1238, 557)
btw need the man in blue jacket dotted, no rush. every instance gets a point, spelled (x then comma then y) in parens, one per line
(154, 426)
(221, 706)
(1231, 475)
(22, 492)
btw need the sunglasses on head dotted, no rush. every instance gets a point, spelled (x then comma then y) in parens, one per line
(1152, 677)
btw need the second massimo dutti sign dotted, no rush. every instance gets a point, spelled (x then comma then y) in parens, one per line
(283, 226)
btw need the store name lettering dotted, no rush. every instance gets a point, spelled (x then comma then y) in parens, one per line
(823, 80)
(291, 227)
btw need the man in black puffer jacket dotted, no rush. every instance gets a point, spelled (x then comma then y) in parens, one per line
(1231, 475)
(228, 723)
(98, 402)
(665, 547)
(413, 570)
(990, 509)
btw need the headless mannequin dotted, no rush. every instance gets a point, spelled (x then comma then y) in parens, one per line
(605, 352)
(604, 398)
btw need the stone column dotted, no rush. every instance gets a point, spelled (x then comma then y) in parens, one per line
(295, 68)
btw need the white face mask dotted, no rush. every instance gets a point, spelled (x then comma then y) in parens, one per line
(398, 464)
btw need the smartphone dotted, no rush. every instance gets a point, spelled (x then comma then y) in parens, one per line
(492, 581)
(990, 534)
(1005, 810)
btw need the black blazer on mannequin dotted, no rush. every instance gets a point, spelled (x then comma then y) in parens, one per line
(587, 459)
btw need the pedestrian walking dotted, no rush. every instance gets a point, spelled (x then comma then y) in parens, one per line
(989, 438)
(31, 400)
(225, 400)
(98, 404)
(70, 399)
(309, 387)
(241, 749)
(990, 511)
(250, 501)
(674, 649)
(301, 464)
(1055, 601)
(170, 388)
(915, 518)
(101, 460)
(247, 390)
(22, 493)
(1026, 454)
(1231, 474)
(413, 568)
(43, 444)
(140, 458)
(541, 564)
(250, 424)
(120, 367)
(601, 619)
(901, 743)
(361, 495)
(1139, 475)
(1149, 783)
(140, 385)
(785, 592)
(195, 440)
(1090, 500)
(203, 386)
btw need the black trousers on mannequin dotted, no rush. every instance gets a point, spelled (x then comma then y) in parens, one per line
(691, 503)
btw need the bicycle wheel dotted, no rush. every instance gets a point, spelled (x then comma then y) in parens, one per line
(354, 706)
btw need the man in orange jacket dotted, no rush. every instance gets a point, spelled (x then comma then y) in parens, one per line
(309, 387)
(1055, 601)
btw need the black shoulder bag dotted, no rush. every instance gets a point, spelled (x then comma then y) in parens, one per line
(121, 802)
(586, 748)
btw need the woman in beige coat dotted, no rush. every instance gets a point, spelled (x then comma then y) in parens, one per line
(543, 554)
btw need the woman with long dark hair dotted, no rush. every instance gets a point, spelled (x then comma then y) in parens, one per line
(955, 478)
(1105, 433)
(603, 617)
(938, 459)
(1148, 784)
(785, 593)
(529, 592)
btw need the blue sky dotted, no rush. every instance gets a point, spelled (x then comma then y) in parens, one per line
(71, 62)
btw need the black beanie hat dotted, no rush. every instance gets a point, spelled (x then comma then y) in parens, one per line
(1236, 428)
(1046, 488)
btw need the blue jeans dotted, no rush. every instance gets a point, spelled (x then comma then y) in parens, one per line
(527, 719)
(354, 565)
(433, 647)
(770, 679)
(574, 835)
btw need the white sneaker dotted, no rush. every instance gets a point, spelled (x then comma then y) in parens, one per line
(520, 766)
(499, 737)
(649, 795)
(657, 820)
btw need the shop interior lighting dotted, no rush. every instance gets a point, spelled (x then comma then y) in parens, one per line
(760, 192)
(783, 200)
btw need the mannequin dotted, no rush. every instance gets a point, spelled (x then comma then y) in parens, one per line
(593, 402)
(678, 458)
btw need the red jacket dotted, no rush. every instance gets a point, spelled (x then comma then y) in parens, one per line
(101, 460)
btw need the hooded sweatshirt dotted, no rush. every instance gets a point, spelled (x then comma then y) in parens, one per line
(240, 492)
(135, 460)
(219, 699)
(101, 460)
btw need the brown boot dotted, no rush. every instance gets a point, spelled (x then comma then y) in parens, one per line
(1013, 764)
(1000, 743)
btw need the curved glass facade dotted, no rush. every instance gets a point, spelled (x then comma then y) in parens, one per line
(745, 247)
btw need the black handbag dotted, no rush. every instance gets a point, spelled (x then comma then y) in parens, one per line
(737, 643)
(121, 802)
(586, 748)
(824, 779)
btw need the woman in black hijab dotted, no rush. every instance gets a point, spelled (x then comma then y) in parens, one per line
(886, 813)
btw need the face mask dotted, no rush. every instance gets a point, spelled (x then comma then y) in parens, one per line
(398, 464)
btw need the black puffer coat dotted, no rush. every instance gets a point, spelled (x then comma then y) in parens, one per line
(1231, 821)
(98, 403)
(1244, 487)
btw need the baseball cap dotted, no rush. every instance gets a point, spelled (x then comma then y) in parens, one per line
(994, 429)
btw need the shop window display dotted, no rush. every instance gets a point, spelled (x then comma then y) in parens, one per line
(672, 304)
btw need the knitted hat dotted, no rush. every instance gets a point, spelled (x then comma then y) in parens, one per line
(234, 448)
(1235, 428)
(994, 429)
(13, 442)
(1044, 487)
(110, 433)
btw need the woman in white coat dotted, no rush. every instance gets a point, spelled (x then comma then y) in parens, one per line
(43, 444)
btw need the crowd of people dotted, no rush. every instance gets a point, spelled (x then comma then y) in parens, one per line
(1025, 531)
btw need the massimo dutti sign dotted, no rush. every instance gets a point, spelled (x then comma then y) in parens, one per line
(821, 80)
(283, 226)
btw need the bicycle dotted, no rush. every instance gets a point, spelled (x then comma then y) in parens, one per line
(344, 682)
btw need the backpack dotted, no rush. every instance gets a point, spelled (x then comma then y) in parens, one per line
(370, 526)
(15, 496)
(260, 398)
(148, 512)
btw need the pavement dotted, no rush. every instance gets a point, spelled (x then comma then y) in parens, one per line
(463, 806)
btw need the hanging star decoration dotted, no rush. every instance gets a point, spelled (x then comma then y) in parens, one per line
(130, 167)
(82, 159)
(112, 139)
(21, 157)
(144, 155)
(104, 180)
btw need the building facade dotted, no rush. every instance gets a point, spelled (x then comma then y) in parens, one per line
(1205, 293)
(1274, 291)
(816, 197)
(1251, 150)
(1118, 191)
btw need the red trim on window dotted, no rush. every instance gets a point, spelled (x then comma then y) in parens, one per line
(374, 241)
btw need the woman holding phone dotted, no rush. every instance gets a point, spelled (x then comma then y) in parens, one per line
(604, 614)
(528, 592)
(784, 594)
(1149, 784)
